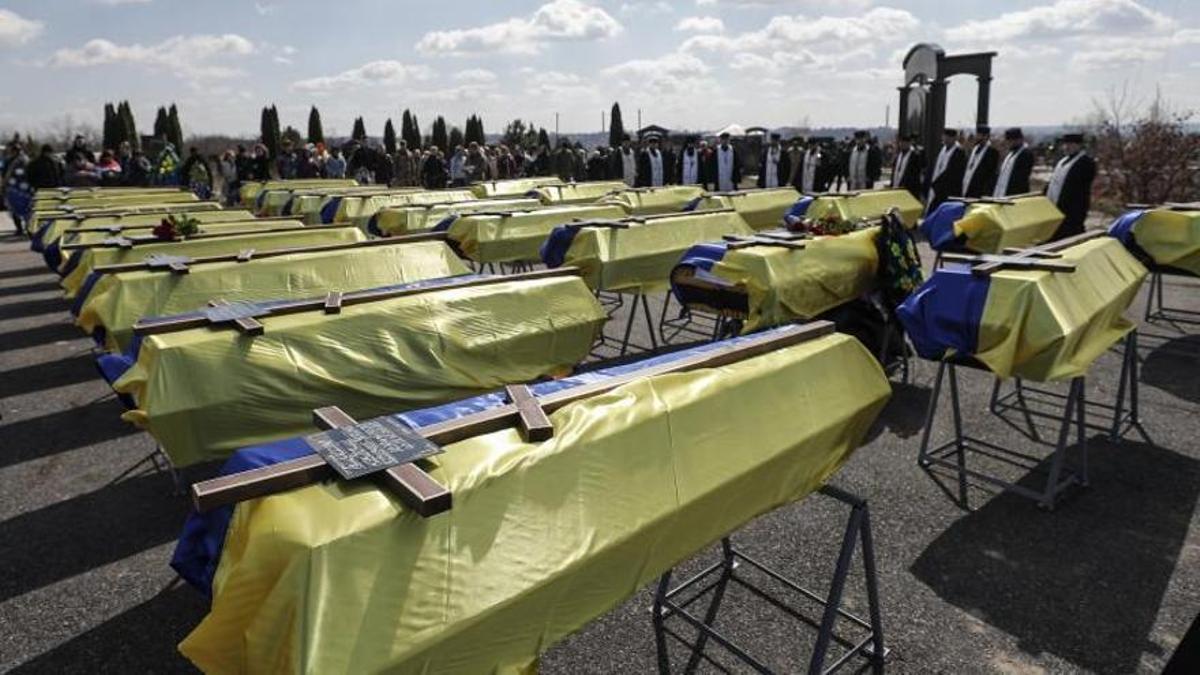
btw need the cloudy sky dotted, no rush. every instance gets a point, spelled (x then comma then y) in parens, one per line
(697, 64)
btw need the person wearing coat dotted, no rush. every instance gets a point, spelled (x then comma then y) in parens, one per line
(908, 169)
(1013, 178)
(1070, 186)
(979, 177)
(945, 178)
(624, 162)
(724, 166)
(651, 165)
(775, 166)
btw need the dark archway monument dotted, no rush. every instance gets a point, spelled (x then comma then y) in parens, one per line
(923, 96)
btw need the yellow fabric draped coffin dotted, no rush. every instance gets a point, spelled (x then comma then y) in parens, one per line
(517, 236)
(761, 209)
(1027, 221)
(394, 220)
(1171, 238)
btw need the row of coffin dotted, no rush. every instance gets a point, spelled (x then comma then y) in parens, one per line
(480, 591)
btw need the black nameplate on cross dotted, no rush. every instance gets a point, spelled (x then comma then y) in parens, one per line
(369, 447)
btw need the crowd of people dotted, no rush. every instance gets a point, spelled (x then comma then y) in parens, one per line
(968, 165)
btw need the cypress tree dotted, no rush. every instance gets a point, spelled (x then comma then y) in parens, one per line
(416, 142)
(109, 136)
(269, 128)
(360, 130)
(616, 128)
(389, 137)
(406, 127)
(128, 127)
(438, 134)
(174, 129)
(160, 123)
(315, 133)
(456, 138)
(543, 138)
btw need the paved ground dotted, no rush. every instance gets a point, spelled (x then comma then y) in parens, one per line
(1107, 583)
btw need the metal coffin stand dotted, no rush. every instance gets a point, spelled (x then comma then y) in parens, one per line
(1156, 308)
(668, 605)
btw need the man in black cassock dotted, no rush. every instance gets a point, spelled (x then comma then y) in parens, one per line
(1070, 186)
(1016, 166)
(775, 166)
(812, 172)
(724, 166)
(945, 177)
(689, 165)
(624, 162)
(908, 169)
(651, 165)
(979, 177)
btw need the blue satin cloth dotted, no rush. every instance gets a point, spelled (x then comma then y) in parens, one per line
(198, 551)
(701, 259)
(945, 312)
(798, 210)
(329, 211)
(1122, 228)
(554, 250)
(445, 223)
(938, 226)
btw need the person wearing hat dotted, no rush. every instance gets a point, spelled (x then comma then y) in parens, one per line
(1070, 186)
(651, 169)
(1016, 167)
(775, 165)
(624, 162)
(945, 180)
(811, 169)
(979, 178)
(908, 167)
(725, 165)
(863, 163)
(690, 165)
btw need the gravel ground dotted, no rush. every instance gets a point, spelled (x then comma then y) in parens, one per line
(1109, 582)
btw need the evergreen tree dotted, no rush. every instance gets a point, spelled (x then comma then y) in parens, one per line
(474, 130)
(360, 130)
(406, 130)
(128, 127)
(456, 138)
(315, 133)
(160, 123)
(269, 128)
(109, 134)
(389, 137)
(514, 134)
(174, 129)
(616, 128)
(438, 134)
(292, 134)
(416, 142)
(543, 138)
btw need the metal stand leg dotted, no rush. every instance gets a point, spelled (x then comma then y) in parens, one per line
(857, 535)
(923, 456)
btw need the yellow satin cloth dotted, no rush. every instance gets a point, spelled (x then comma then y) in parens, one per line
(990, 228)
(248, 193)
(1171, 238)
(578, 193)
(119, 300)
(784, 285)
(650, 201)
(518, 236)
(869, 204)
(103, 200)
(543, 538)
(273, 201)
(1051, 326)
(392, 221)
(256, 236)
(204, 393)
(762, 209)
(639, 258)
(358, 209)
(512, 187)
(142, 214)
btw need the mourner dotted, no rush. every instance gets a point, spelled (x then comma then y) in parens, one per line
(1016, 167)
(945, 180)
(651, 168)
(863, 163)
(690, 163)
(775, 166)
(810, 175)
(624, 162)
(725, 166)
(1070, 185)
(909, 166)
(979, 178)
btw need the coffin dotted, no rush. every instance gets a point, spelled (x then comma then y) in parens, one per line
(864, 205)
(248, 193)
(650, 201)
(543, 537)
(761, 209)
(396, 220)
(516, 236)
(512, 187)
(576, 193)
(990, 226)
(1163, 237)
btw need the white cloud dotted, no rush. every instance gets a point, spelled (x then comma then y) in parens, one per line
(114, 3)
(16, 30)
(187, 56)
(559, 20)
(1114, 58)
(264, 8)
(791, 32)
(700, 24)
(646, 8)
(475, 75)
(845, 5)
(673, 73)
(1063, 19)
(374, 73)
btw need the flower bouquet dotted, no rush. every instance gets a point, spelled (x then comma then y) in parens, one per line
(175, 226)
(829, 224)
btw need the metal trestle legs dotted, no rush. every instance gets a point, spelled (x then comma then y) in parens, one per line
(714, 580)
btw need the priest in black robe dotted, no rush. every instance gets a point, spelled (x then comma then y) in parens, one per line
(983, 161)
(908, 167)
(775, 165)
(1013, 178)
(1070, 186)
(724, 166)
(812, 170)
(652, 165)
(945, 177)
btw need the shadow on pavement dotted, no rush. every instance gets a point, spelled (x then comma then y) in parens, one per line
(1167, 366)
(24, 272)
(24, 310)
(1085, 582)
(85, 532)
(140, 640)
(42, 376)
(36, 287)
(62, 431)
(38, 336)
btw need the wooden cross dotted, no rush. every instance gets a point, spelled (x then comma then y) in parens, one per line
(118, 229)
(1033, 258)
(409, 483)
(1007, 199)
(737, 242)
(333, 305)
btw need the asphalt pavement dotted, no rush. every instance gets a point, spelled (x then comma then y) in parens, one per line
(1108, 582)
